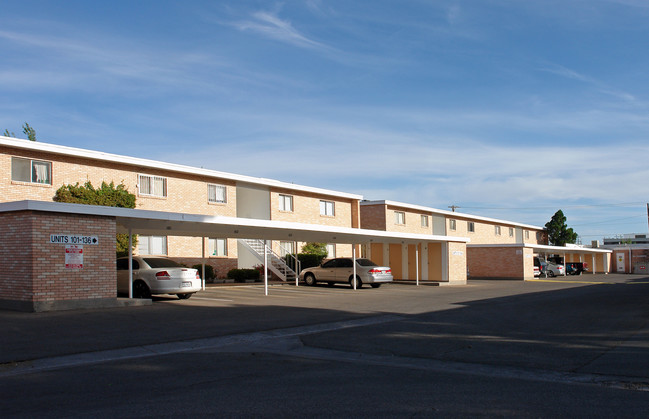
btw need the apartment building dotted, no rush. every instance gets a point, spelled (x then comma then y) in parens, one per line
(35, 170)
(496, 248)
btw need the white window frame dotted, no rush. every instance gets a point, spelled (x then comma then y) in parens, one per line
(213, 195)
(286, 203)
(146, 243)
(286, 248)
(452, 225)
(400, 218)
(527, 234)
(497, 230)
(511, 232)
(470, 226)
(155, 184)
(217, 247)
(331, 250)
(34, 171)
(328, 208)
(424, 221)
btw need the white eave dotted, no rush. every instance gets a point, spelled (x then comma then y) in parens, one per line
(451, 213)
(545, 248)
(196, 225)
(145, 163)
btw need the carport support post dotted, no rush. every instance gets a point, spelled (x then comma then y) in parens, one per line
(130, 263)
(354, 264)
(265, 268)
(203, 274)
(417, 263)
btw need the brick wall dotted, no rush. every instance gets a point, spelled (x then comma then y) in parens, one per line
(500, 262)
(34, 276)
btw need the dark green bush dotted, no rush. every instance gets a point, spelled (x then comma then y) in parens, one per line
(306, 260)
(240, 275)
(209, 271)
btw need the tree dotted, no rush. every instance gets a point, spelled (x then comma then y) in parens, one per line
(319, 249)
(558, 231)
(107, 195)
(29, 132)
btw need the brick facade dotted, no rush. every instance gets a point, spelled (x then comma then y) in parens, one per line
(39, 280)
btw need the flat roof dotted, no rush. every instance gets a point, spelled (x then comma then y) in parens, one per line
(195, 225)
(452, 213)
(134, 161)
(546, 248)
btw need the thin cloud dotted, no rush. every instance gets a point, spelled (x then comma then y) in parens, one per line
(602, 87)
(271, 26)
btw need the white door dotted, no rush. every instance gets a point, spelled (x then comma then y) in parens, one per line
(620, 263)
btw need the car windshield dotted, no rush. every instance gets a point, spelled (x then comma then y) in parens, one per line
(162, 263)
(365, 262)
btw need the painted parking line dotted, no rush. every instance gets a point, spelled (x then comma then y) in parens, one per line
(565, 281)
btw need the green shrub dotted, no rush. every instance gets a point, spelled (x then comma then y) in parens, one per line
(307, 260)
(240, 275)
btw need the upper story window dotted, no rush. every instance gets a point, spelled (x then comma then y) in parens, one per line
(424, 221)
(33, 171)
(470, 226)
(286, 203)
(218, 247)
(511, 232)
(328, 208)
(527, 234)
(399, 217)
(452, 224)
(217, 194)
(497, 230)
(152, 185)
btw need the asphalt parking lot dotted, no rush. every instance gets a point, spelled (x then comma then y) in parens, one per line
(574, 346)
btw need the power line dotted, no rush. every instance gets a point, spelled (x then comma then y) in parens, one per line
(620, 204)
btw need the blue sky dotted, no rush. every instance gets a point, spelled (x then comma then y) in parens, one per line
(509, 109)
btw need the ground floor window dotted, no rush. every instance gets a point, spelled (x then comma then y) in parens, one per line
(331, 250)
(286, 248)
(218, 247)
(152, 245)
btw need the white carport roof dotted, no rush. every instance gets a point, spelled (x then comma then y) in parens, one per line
(177, 224)
(541, 248)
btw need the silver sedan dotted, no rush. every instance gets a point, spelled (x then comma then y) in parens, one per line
(341, 270)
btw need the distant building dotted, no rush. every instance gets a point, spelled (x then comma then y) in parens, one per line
(627, 239)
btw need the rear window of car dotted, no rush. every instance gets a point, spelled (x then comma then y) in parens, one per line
(365, 262)
(162, 263)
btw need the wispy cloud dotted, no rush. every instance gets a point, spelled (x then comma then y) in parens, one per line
(270, 25)
(602, 87)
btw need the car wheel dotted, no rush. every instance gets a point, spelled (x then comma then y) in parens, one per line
(185, 296)
(550, 274)
(359, 283)
(375, 285)
(141, 290)
(310, 279)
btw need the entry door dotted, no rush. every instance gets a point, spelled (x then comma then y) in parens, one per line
(620, 263)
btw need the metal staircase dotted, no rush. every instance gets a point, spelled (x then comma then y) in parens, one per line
(276, 263)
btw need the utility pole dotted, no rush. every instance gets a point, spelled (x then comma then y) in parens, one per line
(452, 207)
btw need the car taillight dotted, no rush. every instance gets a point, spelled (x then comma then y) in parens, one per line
(197, 275)
(389, 271)
(162, 275)
(374, 271)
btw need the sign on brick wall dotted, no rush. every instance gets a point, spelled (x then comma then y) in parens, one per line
(73, 239)
(73, 257)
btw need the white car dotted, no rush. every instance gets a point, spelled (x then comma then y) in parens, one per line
(157, 275)
(341, 270)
